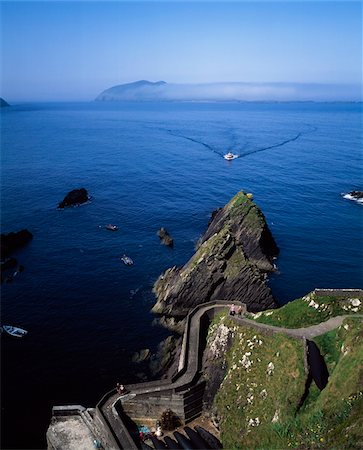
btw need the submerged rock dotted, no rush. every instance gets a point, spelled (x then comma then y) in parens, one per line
(165, 237)
(74, 198)
(231, 262)
(141, 356)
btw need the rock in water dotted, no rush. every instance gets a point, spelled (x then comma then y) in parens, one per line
(165, 237)
(141, 356)
(74, 198)
(3, 103)
(12, 241)
(356, 194)
(231, 262)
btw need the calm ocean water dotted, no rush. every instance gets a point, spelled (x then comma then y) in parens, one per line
(146, 166)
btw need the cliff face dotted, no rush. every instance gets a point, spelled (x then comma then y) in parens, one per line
(230, 263)
(3, 103)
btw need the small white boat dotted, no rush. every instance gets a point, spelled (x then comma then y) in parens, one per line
(111, 227)
(229, 156)
(127, 260)
(14, 331)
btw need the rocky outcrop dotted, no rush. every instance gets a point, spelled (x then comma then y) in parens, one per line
(165, 237)
(231, 262)
(13, 241)
(164, 362)
(74, 198)
(9, 244)
(141, 356)
(356, 194)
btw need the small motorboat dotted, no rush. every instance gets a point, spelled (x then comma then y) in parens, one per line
(229, 156)
(127, 260)
(14, 331)
(111, 227)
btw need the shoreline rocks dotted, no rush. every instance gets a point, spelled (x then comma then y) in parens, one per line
(231, 262)
(354, 195)
(165, 237)
(13, 241)
(74, 198)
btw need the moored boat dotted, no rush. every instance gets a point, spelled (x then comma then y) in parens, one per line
(127, 260)
(111, 227)
(14, 331)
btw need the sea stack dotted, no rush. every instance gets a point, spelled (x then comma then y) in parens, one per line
(231, 262)
(74, 198)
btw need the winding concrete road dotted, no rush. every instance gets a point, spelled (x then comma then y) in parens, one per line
(307, 332)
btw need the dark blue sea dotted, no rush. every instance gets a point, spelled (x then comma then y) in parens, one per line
(149, 165)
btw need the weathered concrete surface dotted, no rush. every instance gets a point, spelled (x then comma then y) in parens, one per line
(69, 433)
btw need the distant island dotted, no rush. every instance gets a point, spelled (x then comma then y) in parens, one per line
(144, 90)
(3, 103)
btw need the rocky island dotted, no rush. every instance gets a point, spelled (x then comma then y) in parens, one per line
(74, 198)
(3, 103)
(231, 262)
(354, 195)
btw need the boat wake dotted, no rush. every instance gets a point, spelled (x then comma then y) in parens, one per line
(246, 153)
(188, 138)
(280, 144)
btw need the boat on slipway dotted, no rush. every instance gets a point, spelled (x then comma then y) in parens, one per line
(13, 331)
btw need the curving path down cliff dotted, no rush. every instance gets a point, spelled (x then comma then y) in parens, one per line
(189, 366)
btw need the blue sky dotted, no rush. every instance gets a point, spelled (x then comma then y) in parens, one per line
(73, 50)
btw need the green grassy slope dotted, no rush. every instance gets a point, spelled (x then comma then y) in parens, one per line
(309, 310)
(260, 408)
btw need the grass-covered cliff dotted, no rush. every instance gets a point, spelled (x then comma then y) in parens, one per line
(311, 309)
(262, 401)
(231, 262)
